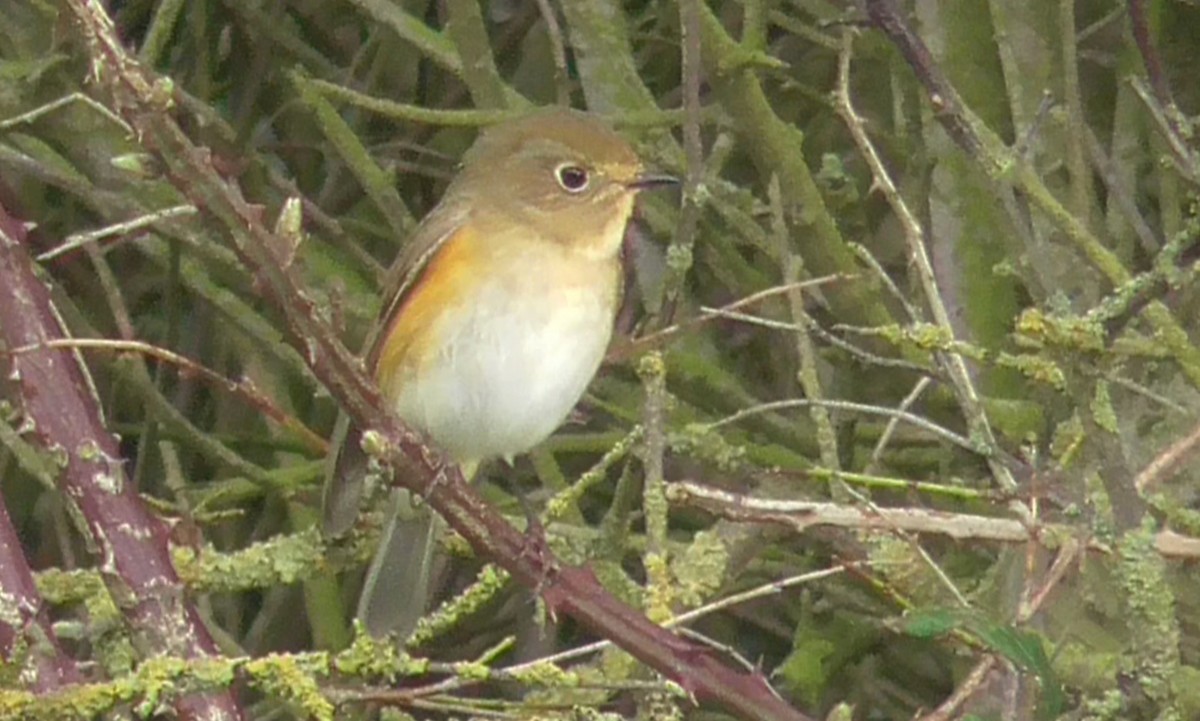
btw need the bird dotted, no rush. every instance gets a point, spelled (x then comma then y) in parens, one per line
(497, 315)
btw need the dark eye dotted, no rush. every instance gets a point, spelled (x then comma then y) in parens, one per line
(572, 178)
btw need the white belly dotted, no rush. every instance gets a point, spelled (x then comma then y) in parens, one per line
(509, 370)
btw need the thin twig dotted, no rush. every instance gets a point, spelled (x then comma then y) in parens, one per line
(1167, 462)
(243, 389)
(915, 544)
(1157, 76)
(863, 254)
(1120, 195)
(890, 429)
(517, 671)
(1063, 561)
(911, 418)
(949, 709)
(1180, 153)
(658, 337)
(1080, 189)
(659, 588)
(558, 49)
(679, 253)
(792, 267)
(77, 240)
(802, 515)
(32, 115)
(956, 369)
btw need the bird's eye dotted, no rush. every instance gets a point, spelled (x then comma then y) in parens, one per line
(572, 178)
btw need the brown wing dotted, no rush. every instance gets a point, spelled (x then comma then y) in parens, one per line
(405, 272)
(347, 464)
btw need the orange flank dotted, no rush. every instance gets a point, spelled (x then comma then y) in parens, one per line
(450, 274)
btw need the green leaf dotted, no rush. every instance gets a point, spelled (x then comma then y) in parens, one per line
(1023, 648)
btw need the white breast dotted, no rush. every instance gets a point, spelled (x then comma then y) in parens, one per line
(512, 365)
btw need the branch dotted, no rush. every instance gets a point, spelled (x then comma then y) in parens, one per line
(802, 515)
(58, 400)
(26, 638)
(1176, 124)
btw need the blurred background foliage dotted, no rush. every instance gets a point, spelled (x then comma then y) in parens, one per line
(1058, 266)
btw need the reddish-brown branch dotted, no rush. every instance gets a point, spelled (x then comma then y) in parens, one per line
(573, 591)
(947, 105)
(25, 633)
(1140, 26)
(56, 396)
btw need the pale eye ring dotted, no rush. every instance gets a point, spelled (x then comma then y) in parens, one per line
(573, 178)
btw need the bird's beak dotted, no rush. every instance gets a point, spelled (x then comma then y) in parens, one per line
(651, 181)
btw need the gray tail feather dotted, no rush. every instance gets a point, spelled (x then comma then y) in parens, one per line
(396, 591)
(344, 479)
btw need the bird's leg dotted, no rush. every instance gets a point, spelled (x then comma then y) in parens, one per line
(536, 546)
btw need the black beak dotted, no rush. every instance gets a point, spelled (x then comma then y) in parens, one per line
(652, 181)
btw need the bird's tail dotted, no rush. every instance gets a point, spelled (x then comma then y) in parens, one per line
(344, 479)
(396, 591)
